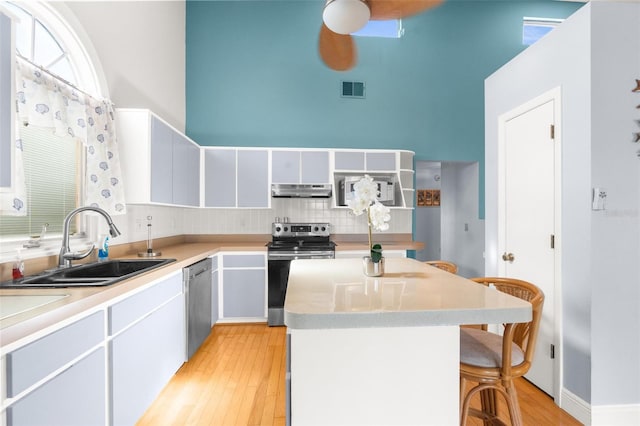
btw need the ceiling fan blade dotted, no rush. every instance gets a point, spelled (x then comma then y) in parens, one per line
(338, 51)
(382, 10)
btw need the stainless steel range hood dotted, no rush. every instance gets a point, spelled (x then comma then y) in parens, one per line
(295, 190)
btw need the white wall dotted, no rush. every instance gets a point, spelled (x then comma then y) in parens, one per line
(615, 232)
(462, 230)
(141, 46)
(595, 67)
(428, 219)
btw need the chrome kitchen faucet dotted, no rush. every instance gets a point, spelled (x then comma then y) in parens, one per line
(66, 255)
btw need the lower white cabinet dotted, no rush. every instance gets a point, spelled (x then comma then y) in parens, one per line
(147, 353)
(69, 364)
(102, 369)
(243, 287)
(215, 310)
(75, 396)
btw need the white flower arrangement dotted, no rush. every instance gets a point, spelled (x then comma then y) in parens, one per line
(378, 215)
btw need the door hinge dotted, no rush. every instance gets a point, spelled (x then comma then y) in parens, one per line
(552, 351)
(553, 241)
(552, 131)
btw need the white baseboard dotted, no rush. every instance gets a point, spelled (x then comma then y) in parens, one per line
(615, 415)
(576, 406)
(600, 415)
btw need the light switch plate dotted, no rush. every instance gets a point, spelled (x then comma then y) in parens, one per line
(599, 198)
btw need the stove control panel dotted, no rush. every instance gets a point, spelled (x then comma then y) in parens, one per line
(280, 229)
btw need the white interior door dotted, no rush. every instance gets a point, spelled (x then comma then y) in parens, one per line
(528, 226)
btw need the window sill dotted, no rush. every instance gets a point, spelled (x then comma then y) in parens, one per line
(50, 246)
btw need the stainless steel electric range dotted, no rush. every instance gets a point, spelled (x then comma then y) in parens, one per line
(292, 241)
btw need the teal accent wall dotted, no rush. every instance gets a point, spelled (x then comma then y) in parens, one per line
(254, 77)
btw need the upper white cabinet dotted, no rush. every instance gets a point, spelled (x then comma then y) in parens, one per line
(6, 101)
(366, 161)
(391, 168)
(253, 178)
(236, 177)
(159, 164)
(310, 167)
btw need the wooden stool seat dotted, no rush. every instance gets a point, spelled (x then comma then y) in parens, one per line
(444, 265)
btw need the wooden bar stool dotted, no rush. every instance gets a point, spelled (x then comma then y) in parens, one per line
(493, 361)
(443, 264)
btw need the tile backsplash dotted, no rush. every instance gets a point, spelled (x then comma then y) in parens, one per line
(167, 221)
(258, 221)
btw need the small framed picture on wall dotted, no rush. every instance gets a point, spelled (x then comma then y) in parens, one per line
(428, 197)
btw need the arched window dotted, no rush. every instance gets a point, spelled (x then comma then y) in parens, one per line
(44, 38)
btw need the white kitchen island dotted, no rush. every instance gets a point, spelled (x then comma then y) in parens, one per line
(381, 351)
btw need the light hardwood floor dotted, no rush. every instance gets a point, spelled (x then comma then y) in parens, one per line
(237, 378)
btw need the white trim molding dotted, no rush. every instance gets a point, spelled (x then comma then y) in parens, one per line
(615, 415)
(600, 415)
(576, 406)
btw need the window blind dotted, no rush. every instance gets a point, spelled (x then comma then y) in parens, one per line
(52, 177)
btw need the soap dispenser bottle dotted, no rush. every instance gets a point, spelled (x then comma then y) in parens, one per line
(103, 251)
(18, 267)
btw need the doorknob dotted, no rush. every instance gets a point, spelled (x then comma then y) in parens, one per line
(508, 257)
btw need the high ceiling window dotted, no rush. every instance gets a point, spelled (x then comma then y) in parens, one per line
(533, 29)
(36, 43)
(386, 29)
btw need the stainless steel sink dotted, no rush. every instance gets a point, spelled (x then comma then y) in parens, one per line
(89, 275)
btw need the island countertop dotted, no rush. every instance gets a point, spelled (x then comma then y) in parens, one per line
(335, 293)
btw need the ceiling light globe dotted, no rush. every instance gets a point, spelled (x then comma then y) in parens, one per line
(345, 16)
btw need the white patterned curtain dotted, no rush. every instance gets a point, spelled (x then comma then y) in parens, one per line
(46, 101)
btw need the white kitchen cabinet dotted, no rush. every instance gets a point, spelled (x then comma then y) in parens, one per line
(387, 165)
(314, 167)
(253, 178)
(285, 167)
(366, 161)
(74, 397)
(243, 287)
(236, 177)
(349, 160)
(310, 167)
(59, 378)
(215, 274)
(159, 164)
(7, 98)
(147, 348)
(381, 161)
(186, 171)
(220, 177)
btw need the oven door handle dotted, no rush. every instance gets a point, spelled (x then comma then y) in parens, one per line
(300, 256)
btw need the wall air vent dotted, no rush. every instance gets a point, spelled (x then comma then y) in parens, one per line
(353, 89)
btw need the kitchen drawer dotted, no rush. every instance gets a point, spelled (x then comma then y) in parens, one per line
(35, 361)
(244, 261)
(76, 396)
(137, 306)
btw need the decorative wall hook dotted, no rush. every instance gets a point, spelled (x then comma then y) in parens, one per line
(637, 88)
(636, 139)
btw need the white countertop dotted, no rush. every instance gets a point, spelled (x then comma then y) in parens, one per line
(335, 293)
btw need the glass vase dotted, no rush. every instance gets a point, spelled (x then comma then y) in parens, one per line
(371, 268)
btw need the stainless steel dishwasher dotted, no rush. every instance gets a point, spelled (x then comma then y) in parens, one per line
(197, 280)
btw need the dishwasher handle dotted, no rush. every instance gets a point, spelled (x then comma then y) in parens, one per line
(197, 274)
